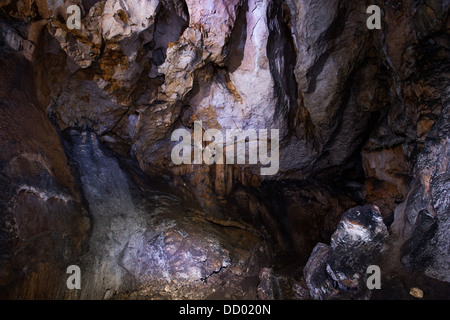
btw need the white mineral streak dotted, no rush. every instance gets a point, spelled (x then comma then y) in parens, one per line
(44, 195)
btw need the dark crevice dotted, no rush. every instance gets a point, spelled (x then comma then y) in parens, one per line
(171, 21)
(206, 277)
(234, 50)
(281, 53)
(316, 69)
(334, 31)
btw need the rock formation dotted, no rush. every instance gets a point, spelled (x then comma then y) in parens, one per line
(86, 139)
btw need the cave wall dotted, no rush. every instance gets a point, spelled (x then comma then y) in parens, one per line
(44, 222)
(362, 114)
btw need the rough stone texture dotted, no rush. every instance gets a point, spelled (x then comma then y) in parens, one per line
(269, 285)
(424, 219)
(43, 221)
(363, 119)
(333, 55)
(319, 283)
(211, 67)
(144, 238)
(339, 270)
(281, 285)
(421, 125)
(414, 47)
(356, 244)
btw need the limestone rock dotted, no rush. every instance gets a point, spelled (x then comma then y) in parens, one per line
(144, 238)
(339, 270)
(86, 131)
(319, 283)
(425, 216)
(422, 219)
(16, 42)
(269, 286)
(356, 244)
(329, 51)
(44, 223)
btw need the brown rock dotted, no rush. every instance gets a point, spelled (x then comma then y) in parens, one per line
(44, 223)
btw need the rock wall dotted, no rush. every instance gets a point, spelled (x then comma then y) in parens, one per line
(86, 131)
(44, 222)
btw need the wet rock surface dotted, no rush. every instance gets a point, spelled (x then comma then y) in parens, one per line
(356, 244)
(317, 279)
(339, 270)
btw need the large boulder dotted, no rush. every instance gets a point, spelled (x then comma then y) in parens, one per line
(44, 222)
(339, 270)
(356, 244)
